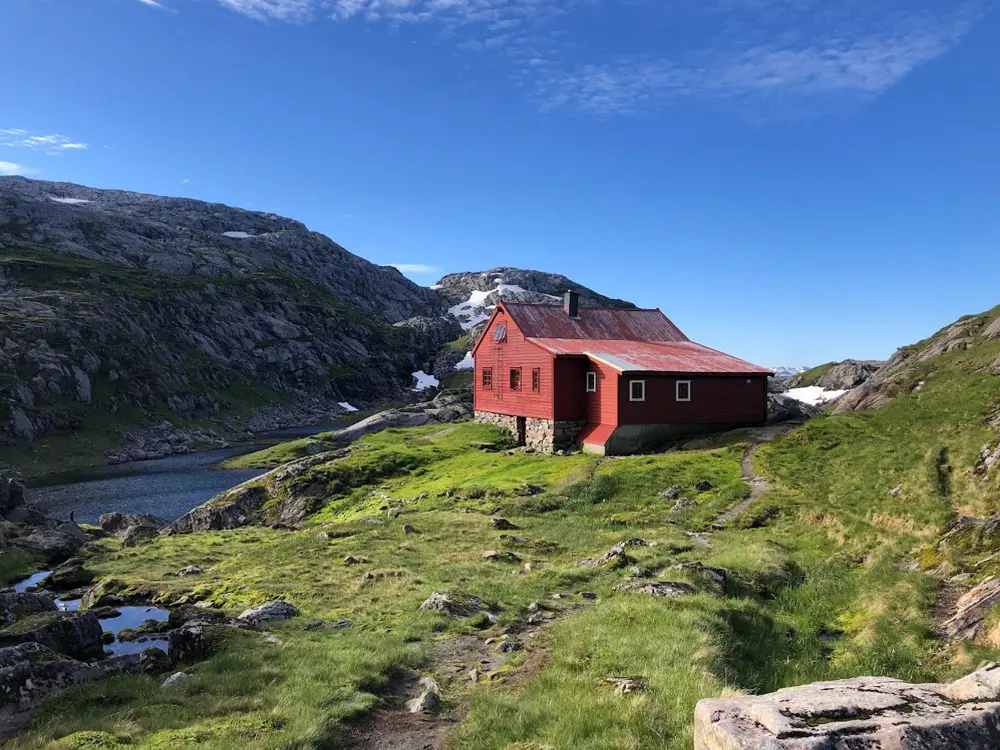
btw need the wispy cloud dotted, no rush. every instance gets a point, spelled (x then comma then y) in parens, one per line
(771, 57)
(158, 6)
(804, 68)
(53, 145)
(9, 168)
(414, 268)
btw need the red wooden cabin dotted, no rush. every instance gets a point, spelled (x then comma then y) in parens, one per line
(614, 380)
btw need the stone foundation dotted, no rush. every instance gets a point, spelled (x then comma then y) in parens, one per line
(543, 435)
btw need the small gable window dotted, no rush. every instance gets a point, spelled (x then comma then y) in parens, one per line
(515, 379)
(637, 390)
(536, 379)
(683, 390)
(591, 382)
(501, 333)
(487, 377)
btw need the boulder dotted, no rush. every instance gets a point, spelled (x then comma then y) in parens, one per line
(30, 673)
(12, 495)
(452, 604)
(68, 575)
(175, 679)
(14, 606)
(784, 409)
(28, 515)
(190, 570)
(117, 523)
(427, 700)
(137, 535)
(864, 712)
(53, 544)
(271, 611)
(194, 641)
(971, 610)
(76, 634)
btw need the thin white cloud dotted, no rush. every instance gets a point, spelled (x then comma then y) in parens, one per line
(414, 268)
(53, 145)
(281, 10)
(769, 57)
(9, 168)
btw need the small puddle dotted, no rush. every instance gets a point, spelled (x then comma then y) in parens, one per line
(131, 617)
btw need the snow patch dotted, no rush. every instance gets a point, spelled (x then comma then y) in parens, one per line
(438, 286)
(814, 395)
(425, 381)
(474, 311)
(346, 406)
(237, 235)
(68, 201)
(466, 364)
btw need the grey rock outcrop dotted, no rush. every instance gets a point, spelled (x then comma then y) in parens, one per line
(512, 285)
(971, 610)
(31, 673)
(446, 407)
(249, 503)
(452, 603)
(842, 376)
(271, 611)
(77, 634)
(897, 376)
(865, 712)
(782, 408)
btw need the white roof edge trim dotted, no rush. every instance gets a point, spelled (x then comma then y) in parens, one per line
(622, 365)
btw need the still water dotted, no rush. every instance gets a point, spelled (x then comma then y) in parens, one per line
(165, 487)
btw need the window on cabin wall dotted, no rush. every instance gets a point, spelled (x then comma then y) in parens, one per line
(637, 390)
(683, 390)
(591, 382)
(487, 377)
(515, 379)
(536, 379)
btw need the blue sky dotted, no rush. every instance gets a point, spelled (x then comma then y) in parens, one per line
(793, 181)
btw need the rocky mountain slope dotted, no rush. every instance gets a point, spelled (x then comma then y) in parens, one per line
(473, 295)
(969, 342)
(118, 310)
(836, 376)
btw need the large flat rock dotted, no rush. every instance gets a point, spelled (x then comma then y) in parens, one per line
(869, 713)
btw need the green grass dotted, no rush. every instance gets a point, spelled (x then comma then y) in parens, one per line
(812, 375)
(818, 586)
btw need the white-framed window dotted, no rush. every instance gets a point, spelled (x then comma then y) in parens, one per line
(637, 390)
(591, 382)
(683, 390)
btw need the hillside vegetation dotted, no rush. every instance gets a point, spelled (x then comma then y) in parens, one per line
(836, 571)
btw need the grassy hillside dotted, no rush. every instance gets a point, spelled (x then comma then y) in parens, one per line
(821, 583)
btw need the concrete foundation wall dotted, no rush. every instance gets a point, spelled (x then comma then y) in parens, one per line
(544, 435)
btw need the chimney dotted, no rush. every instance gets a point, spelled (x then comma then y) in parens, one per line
(571, 304)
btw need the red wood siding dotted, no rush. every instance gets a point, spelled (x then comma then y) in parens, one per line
(713, 399)
(501, 358)
(570, 384)
(602, 406)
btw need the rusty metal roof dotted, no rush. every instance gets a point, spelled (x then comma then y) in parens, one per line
(594, 323)
(650, 356)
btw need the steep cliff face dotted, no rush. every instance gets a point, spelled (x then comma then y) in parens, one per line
(124, 309)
